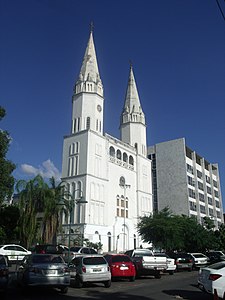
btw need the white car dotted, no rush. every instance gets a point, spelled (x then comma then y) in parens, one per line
(211, 279)
(14, 252)
(171, 266)
(200, 260)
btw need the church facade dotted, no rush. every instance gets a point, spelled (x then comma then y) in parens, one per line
(109, 178)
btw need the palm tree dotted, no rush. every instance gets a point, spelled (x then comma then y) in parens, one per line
(56, 202)
(31, 201)
(36, 198)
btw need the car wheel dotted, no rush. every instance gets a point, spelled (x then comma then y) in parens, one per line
(79, 283)
(132, 278)
(107, 283)
(171, 272)
(64, 289)
(189, 270)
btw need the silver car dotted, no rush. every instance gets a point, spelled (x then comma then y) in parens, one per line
(90, 268)
(44, 270)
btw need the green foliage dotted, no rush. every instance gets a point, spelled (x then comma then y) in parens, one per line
(6, 166)
(173, 232)
(40, 206)
(9, 218)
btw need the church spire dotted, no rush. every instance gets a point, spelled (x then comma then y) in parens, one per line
(89, 79)
(132, 111)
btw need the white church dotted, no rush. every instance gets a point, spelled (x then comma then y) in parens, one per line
(109, 178)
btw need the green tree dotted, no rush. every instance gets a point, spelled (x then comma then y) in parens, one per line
(173, 232)
(6, 166)
(30, 203)
(9, 218)
(56, 201)
(40, 208)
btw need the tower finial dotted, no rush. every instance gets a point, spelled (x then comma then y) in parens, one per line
(91, 26)
(131, 65)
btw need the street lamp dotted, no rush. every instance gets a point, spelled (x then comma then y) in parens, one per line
(80, 200)
(123, 185)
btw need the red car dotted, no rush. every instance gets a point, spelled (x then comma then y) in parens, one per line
(121, 266)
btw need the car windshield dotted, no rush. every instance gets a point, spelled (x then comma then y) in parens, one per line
(75, 249)
(94, 261)
(120, 258)
(199, 255)
(161, 255)
(143, 253)
(45, 259)
(217, 266)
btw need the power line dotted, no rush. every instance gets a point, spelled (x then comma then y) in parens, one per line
(217, 1)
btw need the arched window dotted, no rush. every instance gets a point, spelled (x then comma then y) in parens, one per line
(88, 123)
(118, 154)
(109, 241)
(112, 151)
(125, 157)
(136, 145)
(131, 160)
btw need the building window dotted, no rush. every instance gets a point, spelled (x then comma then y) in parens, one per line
(88, 123)
(109, 241)
(215, 184)
(118, 154)
(216, 194)
(209, 190)
(210, 202)
(131, 160)
(218, 214)
(202, 209)
(122, 207)
(191, 193)
(201, 197)
(217, 204)
(125, 157)
(192, 206)
(200, 185)
(190, 169)
(112, 151)
(199, 174)
(211, 212)
(191, 181)
(207, 178)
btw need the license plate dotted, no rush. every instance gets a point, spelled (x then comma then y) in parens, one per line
(97, 270)
(49, 272)
(123, 268)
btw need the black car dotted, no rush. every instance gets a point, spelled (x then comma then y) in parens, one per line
(49, 249)
(215, 256)
(183, 261)
(4, 273)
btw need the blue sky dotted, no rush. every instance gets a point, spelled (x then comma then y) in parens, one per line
(177, 49)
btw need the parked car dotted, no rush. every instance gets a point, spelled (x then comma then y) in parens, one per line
(90, 268)
(215, 256)
(4, 273)
(211, 279)
(14, 252)
(200, 260)
(44, 270)
(171, 266)
(146, 263)
(121, 266)
(78, 251)
(183, 261)
(50, 249)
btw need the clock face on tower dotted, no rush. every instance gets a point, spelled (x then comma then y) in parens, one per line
(99, 108)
